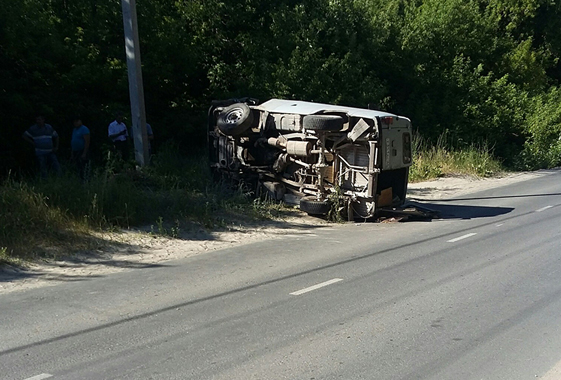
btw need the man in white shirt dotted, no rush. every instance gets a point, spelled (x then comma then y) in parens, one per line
(119, 135)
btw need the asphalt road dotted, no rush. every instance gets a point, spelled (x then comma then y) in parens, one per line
(474, 295)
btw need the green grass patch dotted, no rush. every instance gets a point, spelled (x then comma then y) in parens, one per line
(30, 226)
(39, 217)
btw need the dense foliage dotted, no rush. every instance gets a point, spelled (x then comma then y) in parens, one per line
(481, 71)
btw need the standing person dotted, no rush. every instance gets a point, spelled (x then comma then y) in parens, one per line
(150, 136)
(45, 141)
(119, 135)
(80, 144)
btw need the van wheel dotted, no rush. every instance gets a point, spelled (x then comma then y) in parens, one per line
(323, 122)
(312, 206)
(235, 119)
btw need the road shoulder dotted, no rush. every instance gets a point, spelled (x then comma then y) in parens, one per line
(130, 250)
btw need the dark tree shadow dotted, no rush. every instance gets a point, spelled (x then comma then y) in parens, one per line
(78, 250)
(190, 231)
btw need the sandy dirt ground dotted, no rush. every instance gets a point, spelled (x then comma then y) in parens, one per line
(129, 250)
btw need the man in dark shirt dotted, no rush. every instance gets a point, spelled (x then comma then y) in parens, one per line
(45, 141)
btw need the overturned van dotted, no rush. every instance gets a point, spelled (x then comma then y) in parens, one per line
(320, 156)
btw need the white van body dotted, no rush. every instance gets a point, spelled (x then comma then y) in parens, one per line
(322, 156)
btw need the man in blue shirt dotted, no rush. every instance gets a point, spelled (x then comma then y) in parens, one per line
(80, 144)
(45, 141)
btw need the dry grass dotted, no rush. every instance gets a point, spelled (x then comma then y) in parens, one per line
(433, 161)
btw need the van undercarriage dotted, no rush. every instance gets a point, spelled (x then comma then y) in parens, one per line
(320, 156)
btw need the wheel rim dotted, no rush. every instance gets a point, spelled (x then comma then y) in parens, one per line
(234, 116)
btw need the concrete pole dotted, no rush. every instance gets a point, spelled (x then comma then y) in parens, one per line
(136, 90)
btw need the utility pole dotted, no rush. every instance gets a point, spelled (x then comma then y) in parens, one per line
(136, 90)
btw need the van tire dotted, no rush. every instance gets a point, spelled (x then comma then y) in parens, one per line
(323, 122)
(235, 119)
(312, 206)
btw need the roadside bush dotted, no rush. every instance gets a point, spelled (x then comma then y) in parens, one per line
(542, 148)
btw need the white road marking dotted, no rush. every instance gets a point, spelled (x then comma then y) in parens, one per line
(461, 237)
(306, 290)
(40, 377)
(498, 225)
(543, 208)
(554, 373)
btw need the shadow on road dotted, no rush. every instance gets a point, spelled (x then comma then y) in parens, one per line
(463, 211)
(448, 211)
(483, 198)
